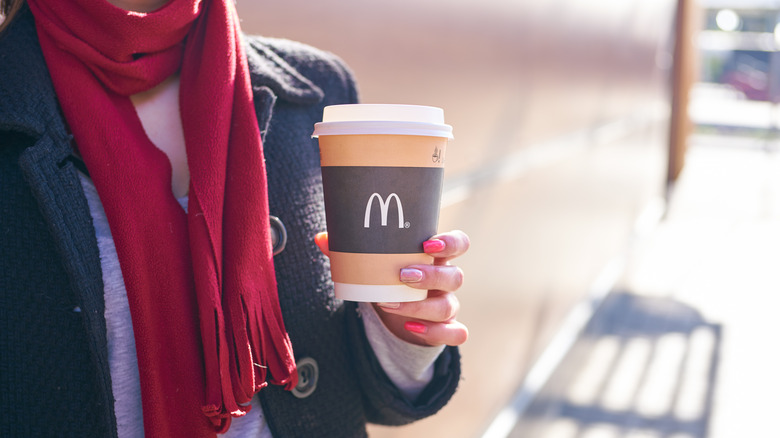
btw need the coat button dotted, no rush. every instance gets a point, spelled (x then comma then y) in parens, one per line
(278, 235)
(308, 374)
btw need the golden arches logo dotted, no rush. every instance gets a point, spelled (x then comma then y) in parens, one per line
(384, 206)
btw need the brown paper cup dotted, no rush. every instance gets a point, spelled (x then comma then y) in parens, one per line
(382, 171)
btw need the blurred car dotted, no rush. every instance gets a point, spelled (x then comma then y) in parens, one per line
(748, 71)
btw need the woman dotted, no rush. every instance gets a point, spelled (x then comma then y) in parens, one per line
(145, 146)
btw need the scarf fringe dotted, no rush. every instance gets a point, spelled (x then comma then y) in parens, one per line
(248, 351)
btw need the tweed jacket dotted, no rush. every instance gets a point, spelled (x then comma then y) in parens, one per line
(54, 374)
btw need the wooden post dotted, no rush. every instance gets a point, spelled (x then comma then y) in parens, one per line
(684, 74)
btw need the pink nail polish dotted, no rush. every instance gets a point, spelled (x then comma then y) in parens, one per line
(416, 327)
(411, 275)
(389, 305)
(433, 246)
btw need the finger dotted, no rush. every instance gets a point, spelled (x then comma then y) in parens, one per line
(438, 307)
(441, 333)
(439, 277)
(447, 245)
(321, 239)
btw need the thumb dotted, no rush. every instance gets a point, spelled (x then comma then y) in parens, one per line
(321, 239)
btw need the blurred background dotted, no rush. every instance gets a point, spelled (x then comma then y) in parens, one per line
(615, 166)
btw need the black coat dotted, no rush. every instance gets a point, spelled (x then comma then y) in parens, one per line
(54, 375)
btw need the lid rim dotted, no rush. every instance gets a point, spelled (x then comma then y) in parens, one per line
(382, 127)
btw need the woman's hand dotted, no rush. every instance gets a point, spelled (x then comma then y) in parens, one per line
(431, 321)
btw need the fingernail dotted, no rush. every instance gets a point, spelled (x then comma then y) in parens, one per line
(433, 246)
(389, 305)
(411, 275)
(416, 327)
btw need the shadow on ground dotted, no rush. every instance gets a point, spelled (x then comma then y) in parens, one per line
(645, 366)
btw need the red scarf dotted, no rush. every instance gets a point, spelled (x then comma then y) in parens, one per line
(201, 285)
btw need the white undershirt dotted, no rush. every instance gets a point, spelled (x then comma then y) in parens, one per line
(409, 366)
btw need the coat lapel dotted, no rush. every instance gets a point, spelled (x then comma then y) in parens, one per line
(49, 171)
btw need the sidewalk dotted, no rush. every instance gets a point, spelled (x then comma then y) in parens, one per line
(685, 345)
(718, 107)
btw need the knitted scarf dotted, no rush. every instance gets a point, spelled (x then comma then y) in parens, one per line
(201, 285)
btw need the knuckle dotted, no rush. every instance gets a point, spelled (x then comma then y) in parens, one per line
(437, 311)
(444, 312)
(448, 277)
(439, 276)
(454, 304)
(448, 308)
(457, 277)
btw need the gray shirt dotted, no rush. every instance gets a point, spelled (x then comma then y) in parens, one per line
(410, 367)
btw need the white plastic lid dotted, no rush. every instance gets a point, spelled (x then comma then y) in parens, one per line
(382, 119)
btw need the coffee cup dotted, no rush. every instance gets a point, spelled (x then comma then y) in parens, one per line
(382, 172)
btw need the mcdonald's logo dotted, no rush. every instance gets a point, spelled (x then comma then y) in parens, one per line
(384, 205)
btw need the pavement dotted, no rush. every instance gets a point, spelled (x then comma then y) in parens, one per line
(683, 345)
